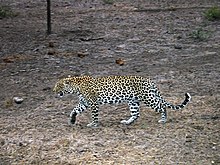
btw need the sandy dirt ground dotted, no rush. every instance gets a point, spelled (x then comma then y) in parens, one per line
(169, 41)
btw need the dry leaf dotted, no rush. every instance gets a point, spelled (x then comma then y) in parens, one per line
(82, 54)
(120, 61)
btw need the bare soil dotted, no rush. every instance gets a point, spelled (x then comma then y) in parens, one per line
(156, 39)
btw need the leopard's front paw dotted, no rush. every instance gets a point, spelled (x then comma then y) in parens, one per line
(71, 121)
(72, 118)
(162, 121)
(92, 124)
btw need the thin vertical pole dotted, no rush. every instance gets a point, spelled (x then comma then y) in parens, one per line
(48, 17)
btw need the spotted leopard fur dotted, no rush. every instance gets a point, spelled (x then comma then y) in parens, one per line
(93, 92)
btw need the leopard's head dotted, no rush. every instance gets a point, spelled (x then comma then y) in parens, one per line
(63, 87)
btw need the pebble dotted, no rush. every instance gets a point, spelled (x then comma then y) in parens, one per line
(51, 44)
(210, 53)
(82, 54)
(188, 138)
(2, 142)
(177, 46)
(18, 100)
(51, 52)
(46, 88)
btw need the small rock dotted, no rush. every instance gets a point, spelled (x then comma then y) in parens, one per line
(51, 44)
(20, 144)
(46, 88)
(18, 100)
(177, 46)
(188, 136)
(120, 47)
(36, 50)
(179, 37)
(210, 53)
(188, 140)
(2, 142)
(214, 148)
(51, 52)
(135, 39)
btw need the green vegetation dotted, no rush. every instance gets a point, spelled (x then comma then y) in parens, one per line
(110, 2)
(213, 13)
(6, 12)
(200, 34)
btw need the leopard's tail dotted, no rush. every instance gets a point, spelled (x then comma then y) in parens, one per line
(180, 106)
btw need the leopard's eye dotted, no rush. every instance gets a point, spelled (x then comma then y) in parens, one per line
(67, 82)
(60, 94)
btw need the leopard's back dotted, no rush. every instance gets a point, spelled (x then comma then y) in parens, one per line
(116, 89)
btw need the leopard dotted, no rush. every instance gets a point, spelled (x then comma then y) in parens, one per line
(132, 90)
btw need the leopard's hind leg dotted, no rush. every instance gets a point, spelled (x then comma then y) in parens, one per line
(163, 113)
(95, 114)
(157, 103)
